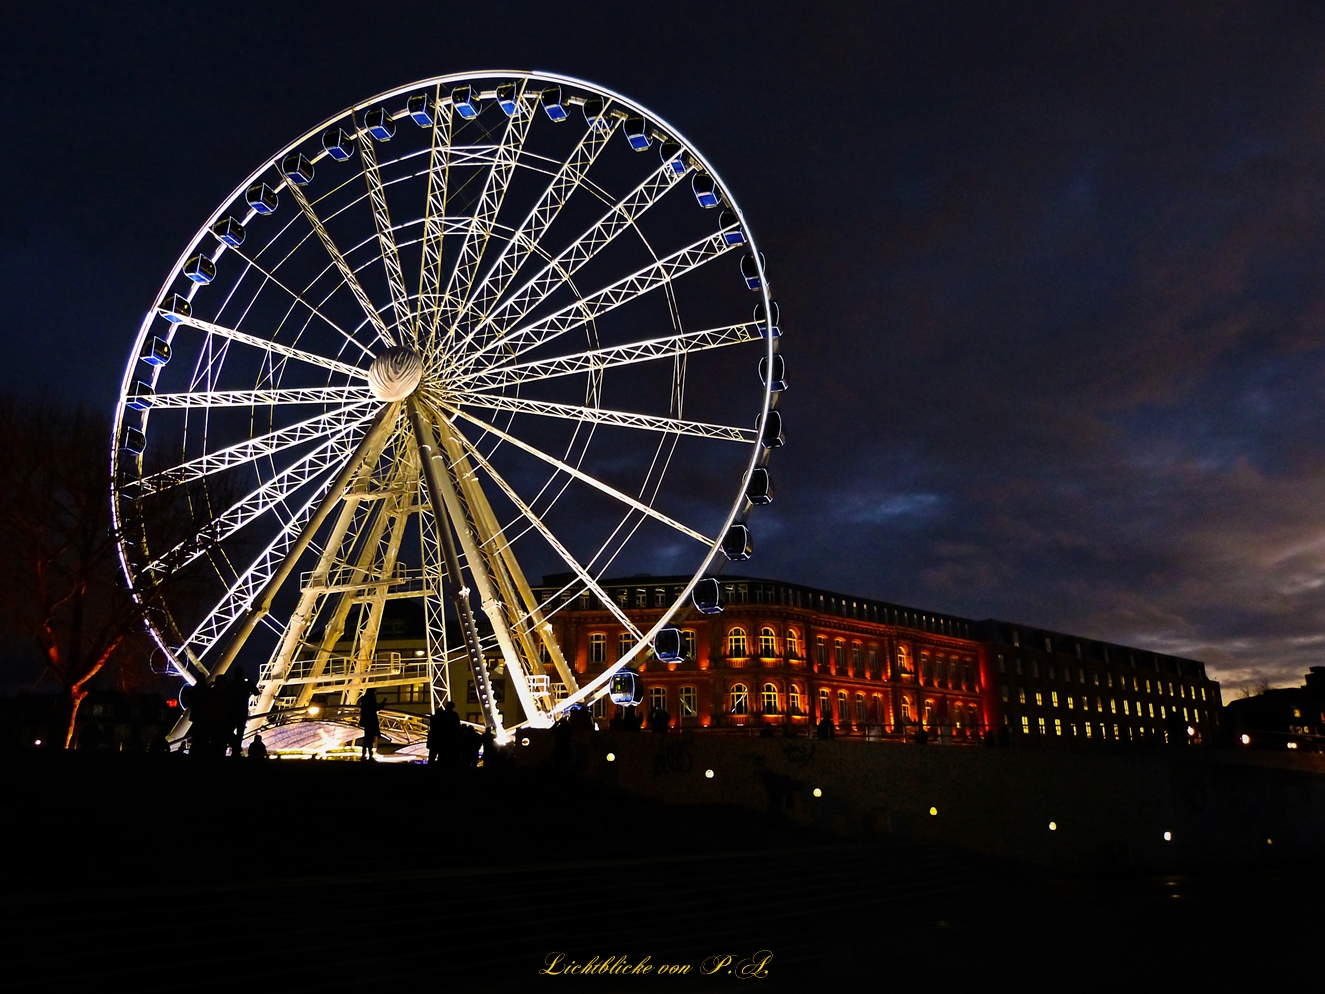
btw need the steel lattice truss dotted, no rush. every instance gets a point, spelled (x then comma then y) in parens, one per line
(582, 322)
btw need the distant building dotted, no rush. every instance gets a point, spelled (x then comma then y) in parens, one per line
(108, 719)
(1285, 718)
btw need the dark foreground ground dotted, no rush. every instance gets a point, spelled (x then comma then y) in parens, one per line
(127, 874)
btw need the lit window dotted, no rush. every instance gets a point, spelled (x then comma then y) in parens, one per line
(1152, 710)
(794, 700)
(793, 643)
(874, 660)
(657, 699)
(860, 709)
(768, 643)
(840, 654)
(736, 648)
(1113, 705)
(624, 643)
(660, 597)
(821, 650)
(1125, 711)
(1099, 704)
(599, 707)
(1039, 699)
(1071, 702)
(1058, 726)
(1147, 686)
(688, 641)
(1087, 729)
(1021, 695)
(623, 598)
(597, 648)
(641, 598)
(688, 699)
(825, 707)
(1042, 731)
(856, 658)
(1053, 695)
(1184, 715)
(928, 715)
(1005, 693)
(1081, 676)
(906, 709)
(1115, 732)
(770, 699)
(740, 699)
(842, 707)
(1202, 693)
(1095, 677)
(1025, 725)
(1163, 711)
(1108, 679)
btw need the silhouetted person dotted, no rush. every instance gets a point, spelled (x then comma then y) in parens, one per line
(615, 723)
(239, 689)
(444, 735)
(257, 749)
(922, 736)
(563, 750)
(1004, 737)
(825, 728)
(632, 720)
(368, 721)
(991, 740)
(659, 721)
(470, 743)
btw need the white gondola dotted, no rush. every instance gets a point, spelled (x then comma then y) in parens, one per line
(262, 198)
(759, 489)
(338, 142)
(669, 645)
(229, 231)
(421, 109)
(200, 269)
(377, 122)
(627, 689)
(465, 101)
(297, 169)
(737, 544)
(777, 381)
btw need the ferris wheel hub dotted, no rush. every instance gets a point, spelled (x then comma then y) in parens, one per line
(395, 374)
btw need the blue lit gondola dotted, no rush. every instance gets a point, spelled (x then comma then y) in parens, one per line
(297, 169)
(770, 430)
(626, 689)
(200, 269)
(140, 396)
(593, 113)
(637, 132)
(506, 99)
(707, 596)
(669, 645)
(737, 543)
(731, 228)
(156, 352)
(750, 271)
(229, 231)
(133, 441)
(550, 100)
(421, 109)
(778, 381)
(261, 198)
(759, 489)
(706, 190)
(377, 122)
(465, 101)
(174, 308)
(672, 156)
(338, 142)
(761, 318)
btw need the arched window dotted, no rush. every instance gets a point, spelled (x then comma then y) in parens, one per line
(928, 718)
(942, 670)
(840, 654)
(736, 647)
(857, 659)
(624, 643)
(740, 699)
(821, 650)
(906, 709)
(842, 716)
(794, 703)
(688, 641)
(770, 699)
(926, 668)
(860, 709)
(825, 708)
(793, 644)
(903, 660)
(768, 642)
(874, 661)
(597, 648)
(876, 710)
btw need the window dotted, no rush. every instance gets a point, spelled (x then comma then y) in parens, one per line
(794, 703)
(770, 699)
(1095, 677)
(1058, 726)
(688, 641)
(857, 658)
(641, 598)
(1099, 705)
(926, 668)
(624, 643)
(1051, 671)
(1152, 710)
(689, 702)
(1021, 695)
(1017, 662)
(821, 650)
(874, 660)
(1025, 725)
(906, 708)
(825, 708)
(929, 713)
(793, 643)
(1005, 693)
(660, 597)
(1113, 705)
(1087, 729)
(1035, 668)
(860, 709)
(599, 707)
(1081, 676)
(740, 699)
(1039, 699)
(842, 715)
(1125, 704)
(598, 648)
(657, 699)
(1002, 666)
(903, 660)
(1053, 694)
(1071, 702)
(1115, 732)
(736, 644)
(623, 598)
(1108, 679)
(1041, 726)
(768, 642)
(840, 655)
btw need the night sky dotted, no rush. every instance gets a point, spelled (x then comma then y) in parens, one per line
(1051, 275)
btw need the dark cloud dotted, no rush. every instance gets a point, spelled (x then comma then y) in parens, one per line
(1051, 274)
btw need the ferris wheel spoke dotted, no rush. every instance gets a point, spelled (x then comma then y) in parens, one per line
(499, 376)
(276, 348)
(386, 236)
(255, 448)
(584, 477)
(529, 233)
(430, 267)
(253, 505)
(485, 214)
(619, 217)
(604, 416)
(609, 298)
(262, 398)
(346, 272)
(552, 540)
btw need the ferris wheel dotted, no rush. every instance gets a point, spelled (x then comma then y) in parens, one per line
(471, 329)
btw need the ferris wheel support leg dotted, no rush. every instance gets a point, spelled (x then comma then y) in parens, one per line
(442, 495)
(261, 606)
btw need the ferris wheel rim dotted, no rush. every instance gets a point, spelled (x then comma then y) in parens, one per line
(644, 638)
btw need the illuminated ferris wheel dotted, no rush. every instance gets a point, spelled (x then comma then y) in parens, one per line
(476, 327)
